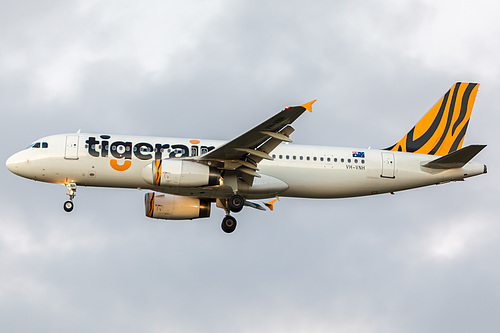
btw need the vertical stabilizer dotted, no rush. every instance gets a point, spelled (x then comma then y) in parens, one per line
(442, 130)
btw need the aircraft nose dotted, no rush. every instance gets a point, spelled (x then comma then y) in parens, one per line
(14, 163)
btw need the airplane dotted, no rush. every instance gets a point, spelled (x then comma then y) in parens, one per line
(186, 176)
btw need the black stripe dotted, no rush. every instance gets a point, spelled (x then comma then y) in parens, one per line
(448, 122)
(414, 145)
(459, 138)
(465, 103)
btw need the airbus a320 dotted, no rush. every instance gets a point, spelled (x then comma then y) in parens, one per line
(187, 176)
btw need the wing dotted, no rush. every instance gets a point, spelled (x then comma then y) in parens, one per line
(243, 153)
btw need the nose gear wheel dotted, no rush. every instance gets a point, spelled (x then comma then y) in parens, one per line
(69, 205)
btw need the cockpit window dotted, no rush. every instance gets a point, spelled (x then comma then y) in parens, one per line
(39, 145)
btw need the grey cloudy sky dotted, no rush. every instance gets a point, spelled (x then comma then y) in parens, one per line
(421, 261)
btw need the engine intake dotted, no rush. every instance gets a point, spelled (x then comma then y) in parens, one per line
(169, 172)
(174, 207)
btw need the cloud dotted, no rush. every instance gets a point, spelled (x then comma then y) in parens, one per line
(448, 241)
(421, 260)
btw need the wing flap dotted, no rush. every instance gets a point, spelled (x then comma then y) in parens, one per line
(277, 136)
(255, 152)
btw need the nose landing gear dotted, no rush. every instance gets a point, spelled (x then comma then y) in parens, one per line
(68, 205)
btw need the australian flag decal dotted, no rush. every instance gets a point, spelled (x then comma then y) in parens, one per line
(360, 154)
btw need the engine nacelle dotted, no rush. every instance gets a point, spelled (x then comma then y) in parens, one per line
(174, 207)
(169, 172)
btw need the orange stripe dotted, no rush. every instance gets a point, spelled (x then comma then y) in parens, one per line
(151, 204)
(442, 129)
(158, 172)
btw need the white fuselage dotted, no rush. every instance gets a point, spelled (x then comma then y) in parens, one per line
(296, 171)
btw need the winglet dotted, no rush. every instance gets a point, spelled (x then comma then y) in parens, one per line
(309, 106)
(270, 204)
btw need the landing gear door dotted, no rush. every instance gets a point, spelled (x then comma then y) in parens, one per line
(388, 165)
(71, 152)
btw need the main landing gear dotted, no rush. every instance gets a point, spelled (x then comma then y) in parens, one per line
(68, 205)
(228, 224)
(234, 204)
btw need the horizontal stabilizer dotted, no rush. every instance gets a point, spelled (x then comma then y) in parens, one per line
(254, 205)
(456, 159)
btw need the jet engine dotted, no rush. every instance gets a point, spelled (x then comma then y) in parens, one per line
(169, 172)
(173, 207)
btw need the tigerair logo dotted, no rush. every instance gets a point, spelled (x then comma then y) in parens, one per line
(122, 152)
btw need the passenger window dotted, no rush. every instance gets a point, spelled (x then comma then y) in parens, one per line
(45, 145)
(355, 161)
(308, 158)
(314, 158)
(362, 161)
(349, 160)
(294, 157)
(321, 159)
(342, 160)
(287, 157)
(281, 156)
(335, 159)
(274, 155)
(301, 158)
(328, 159)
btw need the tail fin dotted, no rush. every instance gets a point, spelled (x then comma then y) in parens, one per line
(442, 130)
